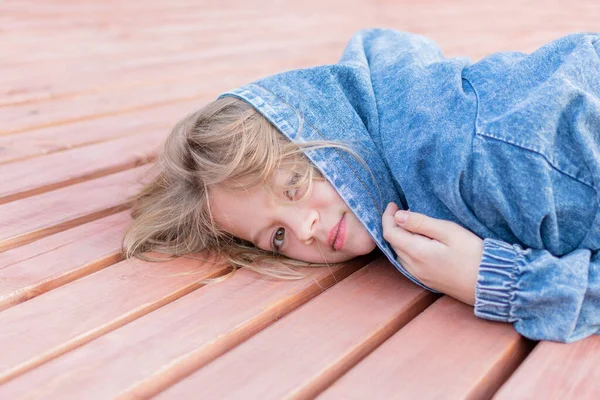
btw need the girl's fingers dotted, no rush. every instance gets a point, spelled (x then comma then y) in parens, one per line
(437, 229)
(413, 245)
(389, 222)
(401, 240)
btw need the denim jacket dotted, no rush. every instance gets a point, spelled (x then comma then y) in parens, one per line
(508, 148)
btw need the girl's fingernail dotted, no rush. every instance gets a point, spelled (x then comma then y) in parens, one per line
(401, 216)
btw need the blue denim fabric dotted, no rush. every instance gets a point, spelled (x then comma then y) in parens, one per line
(508, 147)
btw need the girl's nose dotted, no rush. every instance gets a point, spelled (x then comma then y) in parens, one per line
(306, 226)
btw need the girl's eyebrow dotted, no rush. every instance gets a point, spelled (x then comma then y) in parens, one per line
(293, 178)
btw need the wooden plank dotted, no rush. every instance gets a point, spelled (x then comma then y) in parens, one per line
(27, 220)
(446, 352)
(42, 174)
(173, 341)
(31, 270)
(328, 336)
(262, 62)
(34, 16)
(22, 117)
(59, 138)
(82, 52)
(72, 9)
(557, 371)
(196, 54)
(509, 34)
(65, 318)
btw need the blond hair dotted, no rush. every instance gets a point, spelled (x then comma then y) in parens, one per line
(226, 143)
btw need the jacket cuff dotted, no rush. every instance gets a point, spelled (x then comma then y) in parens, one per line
(495, 289)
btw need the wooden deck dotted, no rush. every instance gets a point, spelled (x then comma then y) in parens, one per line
(89, 92)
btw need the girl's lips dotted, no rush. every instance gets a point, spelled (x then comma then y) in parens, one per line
(337, 235)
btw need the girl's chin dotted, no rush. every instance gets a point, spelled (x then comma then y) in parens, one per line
(356, 253)
(369, 246)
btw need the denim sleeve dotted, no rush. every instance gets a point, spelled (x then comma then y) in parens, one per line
(545, 297)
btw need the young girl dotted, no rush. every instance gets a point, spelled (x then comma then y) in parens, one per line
(497, 161)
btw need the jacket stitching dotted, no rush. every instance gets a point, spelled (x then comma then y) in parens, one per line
(539, 153)
(550, 160)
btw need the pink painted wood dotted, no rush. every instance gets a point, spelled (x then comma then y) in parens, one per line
(153, 352)
(89, 89)
(39, 142)
(28, 219)
(65, 318)
(459, 356)
(328, 336)
(30, 270)
(557, 371)
(43, 174)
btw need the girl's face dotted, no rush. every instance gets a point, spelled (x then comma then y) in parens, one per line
(319, 228)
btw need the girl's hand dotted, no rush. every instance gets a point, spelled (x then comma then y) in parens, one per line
(441, 254)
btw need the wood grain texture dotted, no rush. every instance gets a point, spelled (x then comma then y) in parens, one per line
(27, 116)
(82, 76)
(557, 371)
(175, 340)
(24, 116)
(65, 318)
(59, 138)
(185, 37)
(42, 174)
(38, 216)
(33, 269)
(145, 67)
(327, 336)
(446, 352)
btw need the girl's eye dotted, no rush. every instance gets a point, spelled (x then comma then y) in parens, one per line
(278, 239)
(291, 193)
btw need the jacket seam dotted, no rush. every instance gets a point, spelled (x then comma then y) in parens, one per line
(548, 159)
(471, 161)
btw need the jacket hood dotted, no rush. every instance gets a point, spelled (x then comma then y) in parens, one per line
(344, 102)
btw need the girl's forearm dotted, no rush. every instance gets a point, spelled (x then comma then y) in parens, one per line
(544, 296)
